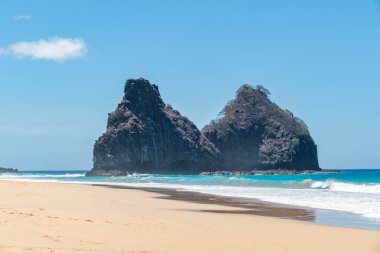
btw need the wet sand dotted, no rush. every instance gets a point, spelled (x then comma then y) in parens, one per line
(48, 217)
(252, 206)
(246, 206)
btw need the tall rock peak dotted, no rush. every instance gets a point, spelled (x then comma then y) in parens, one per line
(139, 93)
(144, 135)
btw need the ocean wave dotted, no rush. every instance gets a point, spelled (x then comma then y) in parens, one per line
(346, 187)
(320, 184)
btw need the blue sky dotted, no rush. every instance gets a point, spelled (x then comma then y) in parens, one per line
(64, 63)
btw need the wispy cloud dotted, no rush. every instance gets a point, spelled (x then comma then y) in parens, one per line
(55, 49)
(22, 17)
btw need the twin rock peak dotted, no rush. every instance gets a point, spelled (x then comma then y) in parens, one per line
(144, 135)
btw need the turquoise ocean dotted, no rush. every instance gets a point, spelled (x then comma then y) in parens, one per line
(352, 192)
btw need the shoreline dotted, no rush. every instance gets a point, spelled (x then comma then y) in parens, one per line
(54, 217)
(251, 206)
(245, 205)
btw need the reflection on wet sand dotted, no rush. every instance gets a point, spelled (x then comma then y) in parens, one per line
(243, 205)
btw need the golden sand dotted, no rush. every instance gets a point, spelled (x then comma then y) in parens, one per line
(47, 217)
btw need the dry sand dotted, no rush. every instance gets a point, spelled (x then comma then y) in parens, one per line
(46, 217)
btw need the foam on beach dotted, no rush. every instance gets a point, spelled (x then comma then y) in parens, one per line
(354, 197)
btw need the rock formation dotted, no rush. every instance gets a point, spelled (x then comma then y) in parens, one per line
(254, 133)
(145, 135)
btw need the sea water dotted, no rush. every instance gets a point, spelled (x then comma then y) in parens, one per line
(350, 192)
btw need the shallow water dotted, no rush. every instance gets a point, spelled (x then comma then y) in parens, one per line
(352, 191)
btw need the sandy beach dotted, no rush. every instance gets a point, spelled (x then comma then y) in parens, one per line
(48, 217)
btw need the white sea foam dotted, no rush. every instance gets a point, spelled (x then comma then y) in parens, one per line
(355, 202)
(347, 187)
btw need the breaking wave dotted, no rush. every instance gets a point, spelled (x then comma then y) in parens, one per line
(346, 187)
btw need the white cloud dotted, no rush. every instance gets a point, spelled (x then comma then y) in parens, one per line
(22, 17)
(56, 49)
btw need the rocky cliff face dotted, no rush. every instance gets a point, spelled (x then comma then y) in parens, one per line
(254, 133)
(144, 135)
